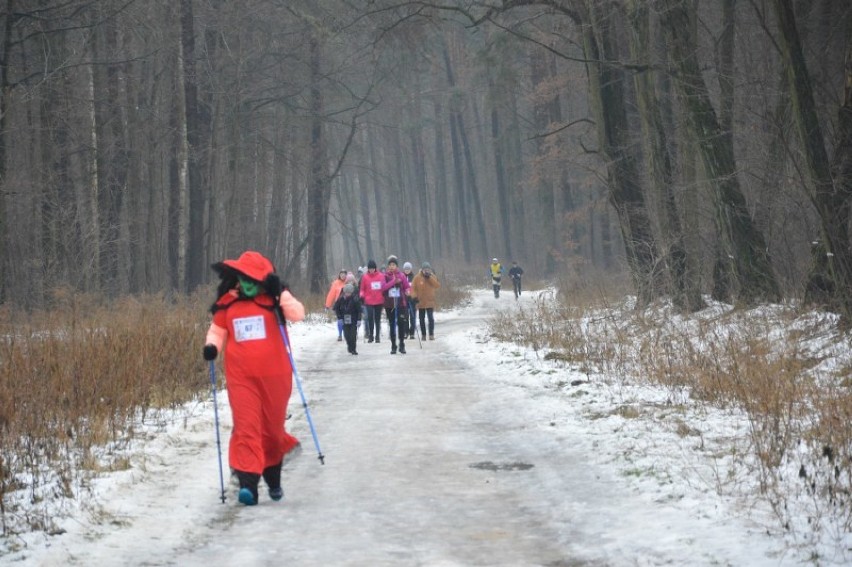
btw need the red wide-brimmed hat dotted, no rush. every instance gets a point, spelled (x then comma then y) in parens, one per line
(252, 264)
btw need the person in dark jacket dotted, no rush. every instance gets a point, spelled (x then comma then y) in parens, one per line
(348, 309)
(396, 289)
(515, 272)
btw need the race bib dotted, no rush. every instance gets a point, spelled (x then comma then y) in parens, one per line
(376, 286)
(249, 329)
(347, 319)
(393, 292)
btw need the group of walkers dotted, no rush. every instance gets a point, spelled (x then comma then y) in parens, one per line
(401, 294)
(250, 313)
(496, 274)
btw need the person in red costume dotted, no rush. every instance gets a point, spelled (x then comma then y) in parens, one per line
(259, 375)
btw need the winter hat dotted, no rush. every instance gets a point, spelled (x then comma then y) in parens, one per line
(251, 264)
(371, 264)
(349, 288)
(361, 269)
(426, 266)
(494, 260)
(393, 259)
(407, 266)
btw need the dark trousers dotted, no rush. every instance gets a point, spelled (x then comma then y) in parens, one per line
(374, 321)
(397, 319)
(424, 314)
(412, 320)
(350, 333)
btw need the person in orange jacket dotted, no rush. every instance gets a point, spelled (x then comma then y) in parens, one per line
(259, 375)
(334, 291)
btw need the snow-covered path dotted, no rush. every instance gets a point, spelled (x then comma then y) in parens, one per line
(439, 457)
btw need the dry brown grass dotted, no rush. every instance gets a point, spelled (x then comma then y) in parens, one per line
(778, 366)
(79, 375)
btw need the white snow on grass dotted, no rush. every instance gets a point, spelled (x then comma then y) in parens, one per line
(595, 469)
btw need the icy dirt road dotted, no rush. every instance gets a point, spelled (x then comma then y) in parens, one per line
(439, 457)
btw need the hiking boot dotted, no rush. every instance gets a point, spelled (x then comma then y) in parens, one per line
(369, 339)
(246, 497)
(354, 352)
(431, 337)
(402, 348)
(393, 349)
(276, 494)
(339, 339)
(248, 487)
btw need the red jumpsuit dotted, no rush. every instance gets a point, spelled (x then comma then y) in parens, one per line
(259, 377)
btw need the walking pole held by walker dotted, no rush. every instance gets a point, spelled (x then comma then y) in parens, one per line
(280, 317)
(216, 419)
(414, 322)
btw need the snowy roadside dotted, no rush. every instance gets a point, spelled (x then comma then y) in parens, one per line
(674, 452)
(683, 465)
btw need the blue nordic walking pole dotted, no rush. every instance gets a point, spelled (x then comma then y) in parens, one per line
(280, 317)
(216, 419)
(412, 320)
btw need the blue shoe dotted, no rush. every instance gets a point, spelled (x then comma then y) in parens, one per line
(246, 497)
(276, 493)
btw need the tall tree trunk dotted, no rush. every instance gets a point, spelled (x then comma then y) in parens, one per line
(476, 202)
(743, 252)
(377, 193)
(497, 144)
(113, 162)
(461, 154)
(831, 278)
(685, 292)
(195, 256)
(442, 212)
(421, 217)
(93, 238)
(458, 175)
(514, 173)
(319, 185)
(544, 202)
(5, 97)
(606, 91)
(178, 198)
(364, 201)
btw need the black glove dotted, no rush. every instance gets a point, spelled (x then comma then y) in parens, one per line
(210, 352)
(272, 285)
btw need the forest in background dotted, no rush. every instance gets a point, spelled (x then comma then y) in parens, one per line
(698, 146)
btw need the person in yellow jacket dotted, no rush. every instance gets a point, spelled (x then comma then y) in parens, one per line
(496, 276)
(423, 288)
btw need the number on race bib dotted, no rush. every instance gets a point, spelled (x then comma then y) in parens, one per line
(249, 329)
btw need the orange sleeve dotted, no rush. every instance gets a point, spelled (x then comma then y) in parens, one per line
(293, 309)
(333, 293)
(216, 336)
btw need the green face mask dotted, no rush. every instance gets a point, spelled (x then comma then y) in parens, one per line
(249, 287)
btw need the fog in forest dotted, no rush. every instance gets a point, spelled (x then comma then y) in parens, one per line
(689, 147)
